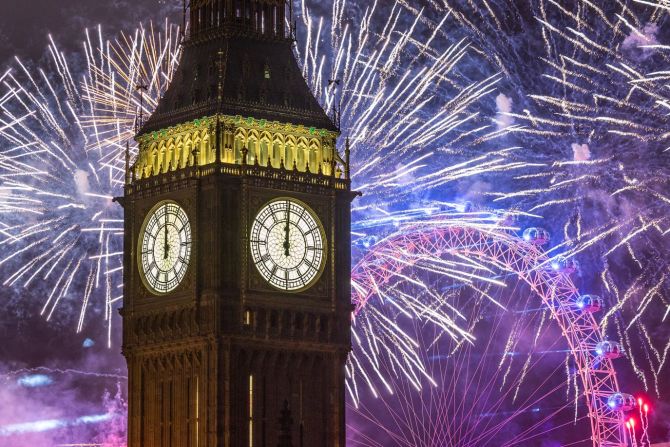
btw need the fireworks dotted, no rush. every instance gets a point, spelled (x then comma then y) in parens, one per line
(62, 162)
(429, 137)
(470, 294)
(381, 304)
(592, 106)
(89, 120)
(606, 89)
(400, 88)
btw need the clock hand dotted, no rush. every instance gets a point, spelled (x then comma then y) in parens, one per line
(287, 245)
(166, 247)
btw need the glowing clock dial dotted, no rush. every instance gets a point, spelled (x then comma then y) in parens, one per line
(288, 244)
(165, 247)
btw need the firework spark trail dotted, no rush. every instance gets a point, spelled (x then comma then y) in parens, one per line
(146, 57)
(616, 101)
(77, 131)
(592, 120)
(447, 414)
(396, 117)
(61, 162)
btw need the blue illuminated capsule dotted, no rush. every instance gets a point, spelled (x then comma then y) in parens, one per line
(564, 265)
(367, 241)
(536, 236)
(589, 303)
(609, 349)
(621, 402)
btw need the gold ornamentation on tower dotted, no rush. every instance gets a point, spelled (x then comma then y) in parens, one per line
(269, 144)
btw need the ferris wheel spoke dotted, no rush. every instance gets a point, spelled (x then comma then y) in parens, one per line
(491, 333)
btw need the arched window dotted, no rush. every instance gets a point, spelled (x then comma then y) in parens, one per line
(314, 155)
(196, 151)
(290, 149)
(177, 156)
(186, 156)
(264, 153)
(277, 154)
(207, 146)
(252, 146)
(262, 17)
(162, 160)
(302, 155)
(153, 161)
(239, 144)
(273, 25)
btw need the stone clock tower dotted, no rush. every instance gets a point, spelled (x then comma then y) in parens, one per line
(237, 262)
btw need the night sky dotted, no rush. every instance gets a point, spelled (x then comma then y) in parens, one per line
(28, 340)
(24, 30)
(24, 25)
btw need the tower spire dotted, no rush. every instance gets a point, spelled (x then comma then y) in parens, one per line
(251, 17)
(237, 60)
(139, 120)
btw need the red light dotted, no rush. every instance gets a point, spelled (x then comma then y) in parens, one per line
(632, 422)
(646, 408)
(639, 401)
(628, 424)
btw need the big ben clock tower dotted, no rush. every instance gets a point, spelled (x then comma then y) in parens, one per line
(237, 261)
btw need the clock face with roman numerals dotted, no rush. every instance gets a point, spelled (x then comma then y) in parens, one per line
(288, 244)
(165, 247)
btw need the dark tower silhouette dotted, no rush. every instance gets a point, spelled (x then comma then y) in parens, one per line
(237, 246)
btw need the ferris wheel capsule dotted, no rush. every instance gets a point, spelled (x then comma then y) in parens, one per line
(621, 402)
(589, 303)
(564, 265)
(609, 349)
(536, 235)
(367, 241)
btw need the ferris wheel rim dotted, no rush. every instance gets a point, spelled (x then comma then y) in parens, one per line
(531, 264)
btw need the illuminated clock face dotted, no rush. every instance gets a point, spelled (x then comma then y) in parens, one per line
(288, 244)
(165, 247)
